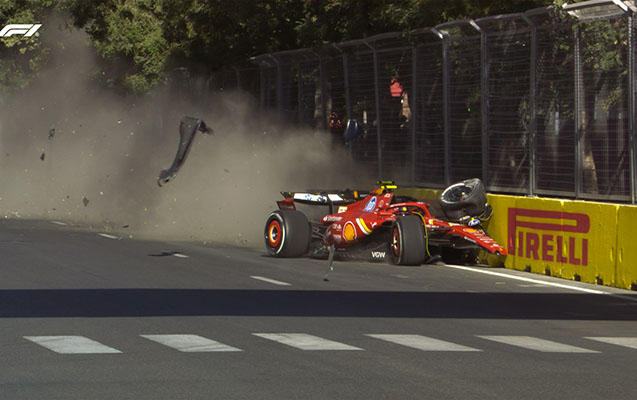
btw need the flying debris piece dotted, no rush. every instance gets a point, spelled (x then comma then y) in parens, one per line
(187, 130)
(42, 156)
(165, 253)
(85, 201)
(51, 133)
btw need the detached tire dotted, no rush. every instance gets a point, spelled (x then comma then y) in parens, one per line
(407, 241)
(466, 198)
(287, 233)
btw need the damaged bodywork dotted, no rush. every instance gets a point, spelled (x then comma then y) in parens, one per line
(188, 128)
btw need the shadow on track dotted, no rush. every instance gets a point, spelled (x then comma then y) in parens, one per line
(100, 303)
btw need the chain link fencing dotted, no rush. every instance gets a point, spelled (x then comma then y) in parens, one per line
(537, 103)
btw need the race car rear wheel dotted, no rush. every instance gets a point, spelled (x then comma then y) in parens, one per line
(407, 241)
(287, 233)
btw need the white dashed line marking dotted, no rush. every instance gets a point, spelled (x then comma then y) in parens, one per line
(630, 342)
(72, 345)
(190, 343)
(532, 343)
(272, 281)
(305, 342)
(423, 343)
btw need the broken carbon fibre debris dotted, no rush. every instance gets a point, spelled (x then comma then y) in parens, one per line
(166, 253)
(51, 133)
(85, 201)
(188, 127)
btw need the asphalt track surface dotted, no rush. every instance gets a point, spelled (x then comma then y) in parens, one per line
(90, 316)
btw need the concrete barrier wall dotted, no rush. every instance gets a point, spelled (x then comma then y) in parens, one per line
(578, 240)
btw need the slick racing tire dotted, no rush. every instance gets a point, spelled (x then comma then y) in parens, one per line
(407, 241)
(466, 198)
(287, 233)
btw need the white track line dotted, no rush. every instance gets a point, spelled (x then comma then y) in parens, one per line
(423, 343)
(58, 223)
(532, 343)
(190, 343)
(305, 342)
(72, 345)
(630, 342)
(537, 281)
(272, 281)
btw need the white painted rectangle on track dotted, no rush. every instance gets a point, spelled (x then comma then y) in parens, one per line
(190, 343)
(72, 345)
(306, 342)
(630, 342)
(532, 343)
(268, 280)
(422, 342)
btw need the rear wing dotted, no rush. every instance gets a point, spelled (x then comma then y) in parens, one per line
(331, 198)
(320, 198)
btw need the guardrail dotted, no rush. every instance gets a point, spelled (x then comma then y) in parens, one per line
(578, 240)
(572, 239)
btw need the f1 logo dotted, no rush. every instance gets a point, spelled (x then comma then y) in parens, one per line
(27, 30)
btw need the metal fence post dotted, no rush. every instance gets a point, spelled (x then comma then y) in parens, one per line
(323, 78)
(348, 102)
(484, 100)
(279, 86)
(632, 134)
(379, 142)
(532, 107)
(578, 112)
(414, 114)
(445, 101)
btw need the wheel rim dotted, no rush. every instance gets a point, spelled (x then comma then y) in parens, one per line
(395, 242)
(274, 234)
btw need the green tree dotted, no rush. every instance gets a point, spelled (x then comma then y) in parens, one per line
(140, 40)
(20, 57)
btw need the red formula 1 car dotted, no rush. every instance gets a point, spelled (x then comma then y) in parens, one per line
(381, 225)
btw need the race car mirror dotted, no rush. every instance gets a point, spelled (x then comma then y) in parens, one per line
(188, 127)
(352, 131)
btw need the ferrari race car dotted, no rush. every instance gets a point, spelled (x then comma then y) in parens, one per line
(381, 225)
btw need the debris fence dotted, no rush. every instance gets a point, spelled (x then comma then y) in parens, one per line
(537, 103)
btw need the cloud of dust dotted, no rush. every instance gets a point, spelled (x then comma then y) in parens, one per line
(70, 151)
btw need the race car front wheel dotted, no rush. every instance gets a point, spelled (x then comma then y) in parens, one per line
(287, 233)
(407, 241)
(466, 198)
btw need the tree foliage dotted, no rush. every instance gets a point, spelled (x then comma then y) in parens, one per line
(139, 40)
(21, 58)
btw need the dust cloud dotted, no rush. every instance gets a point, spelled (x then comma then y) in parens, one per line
(74, 152)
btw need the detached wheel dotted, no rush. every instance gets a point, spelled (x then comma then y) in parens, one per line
(407, 242)
(287, 233)
(466, 198)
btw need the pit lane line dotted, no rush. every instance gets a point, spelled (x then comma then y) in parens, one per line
(540, 282)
